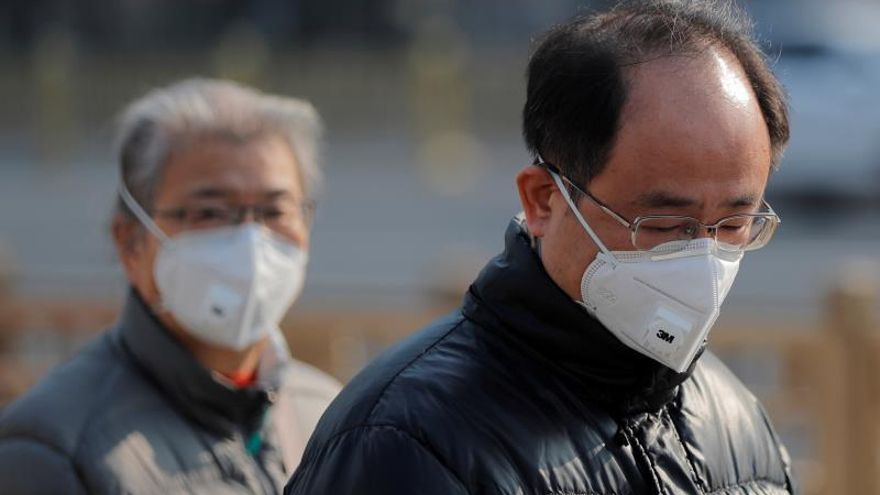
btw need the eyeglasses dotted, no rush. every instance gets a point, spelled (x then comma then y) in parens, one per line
(742, 232)
(212, 216)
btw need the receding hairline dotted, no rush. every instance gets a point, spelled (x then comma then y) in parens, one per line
(624, 37)
(697, 63)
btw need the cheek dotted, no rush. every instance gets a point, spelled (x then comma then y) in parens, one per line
(298, 234)
(142, 263)
(567, 250)
(302, 237)
(617, 239)
(148, 260)
(576, 244)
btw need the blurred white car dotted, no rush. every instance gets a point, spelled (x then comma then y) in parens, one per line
(827, 55)
(835, 123)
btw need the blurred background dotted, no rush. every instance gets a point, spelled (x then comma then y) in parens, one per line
(422, 103)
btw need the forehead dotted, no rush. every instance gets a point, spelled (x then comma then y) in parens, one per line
(232, 169)
(691, 127)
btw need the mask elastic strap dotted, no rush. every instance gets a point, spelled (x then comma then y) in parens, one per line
(139, 212)
(558, 180)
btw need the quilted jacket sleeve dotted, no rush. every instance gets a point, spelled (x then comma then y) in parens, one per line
(373, 459)
(31, 467)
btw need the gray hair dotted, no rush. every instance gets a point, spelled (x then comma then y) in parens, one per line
(163, 120)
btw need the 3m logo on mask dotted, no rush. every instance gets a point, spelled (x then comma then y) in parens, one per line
(667, 337)
(666, 333)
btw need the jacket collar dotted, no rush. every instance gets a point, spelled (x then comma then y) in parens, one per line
(514, 295)
(193, 389)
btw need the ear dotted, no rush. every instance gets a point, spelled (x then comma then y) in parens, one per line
(128, 239)
(535, 186)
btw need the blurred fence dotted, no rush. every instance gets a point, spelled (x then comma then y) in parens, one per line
(821, 387)
(819, 384)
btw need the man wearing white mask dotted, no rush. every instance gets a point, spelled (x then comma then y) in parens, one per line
(577, 364)
(194, 390)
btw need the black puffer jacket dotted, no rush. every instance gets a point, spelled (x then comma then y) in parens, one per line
(521, 392)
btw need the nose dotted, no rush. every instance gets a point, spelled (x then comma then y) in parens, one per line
(248, 213)
(708, 232)
(699, 231)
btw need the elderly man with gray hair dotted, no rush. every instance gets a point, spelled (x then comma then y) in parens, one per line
(194, 389)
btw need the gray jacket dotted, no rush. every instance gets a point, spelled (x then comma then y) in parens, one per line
(134, 412)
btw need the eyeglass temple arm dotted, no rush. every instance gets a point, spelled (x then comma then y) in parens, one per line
(554, 169)
(557, 178)
(139, 212)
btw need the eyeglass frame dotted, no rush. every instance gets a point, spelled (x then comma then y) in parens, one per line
(240, 212)
(633, 225)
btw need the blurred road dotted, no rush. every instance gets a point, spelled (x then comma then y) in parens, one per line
(386, 234)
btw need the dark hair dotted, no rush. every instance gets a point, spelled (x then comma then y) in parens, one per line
(577, 87)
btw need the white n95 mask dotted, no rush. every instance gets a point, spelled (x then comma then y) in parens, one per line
(661, 303)
(228, 286)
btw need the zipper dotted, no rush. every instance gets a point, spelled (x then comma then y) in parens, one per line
(265, 479)
(253, 447)
(626, 435)
(621, 438)
(625, 430)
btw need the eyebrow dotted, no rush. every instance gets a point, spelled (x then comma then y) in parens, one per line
(221, 193)
(662, 199)
(209, 193)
